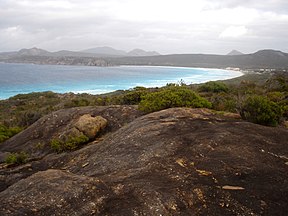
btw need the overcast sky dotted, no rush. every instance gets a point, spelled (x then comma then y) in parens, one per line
(166, 26)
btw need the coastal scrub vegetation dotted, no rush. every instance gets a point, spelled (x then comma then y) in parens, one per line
(172, 96)
(261, 110)
(215, 87)
(237, 95)
(7, 132)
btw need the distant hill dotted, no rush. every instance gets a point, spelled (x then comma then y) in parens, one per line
(268, 53)
(235, 52)
(109, 51)
(64, 57)
(93, 52)
(260, 59)
(33, 52)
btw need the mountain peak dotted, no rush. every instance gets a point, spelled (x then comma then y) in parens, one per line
(33, 51)
(234, 52)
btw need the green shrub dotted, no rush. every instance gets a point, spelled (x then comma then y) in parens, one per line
(6, 133)
(223, 102)
(16, 158)
(134, 96)
(77, 103)
(276, 96)
(71, 144)
(172, 96)
(260, 110)
(213, 87)
(278, 82)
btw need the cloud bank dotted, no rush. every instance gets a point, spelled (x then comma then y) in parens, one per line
(167, 26)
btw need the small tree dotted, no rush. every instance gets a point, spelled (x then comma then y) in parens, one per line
(260, 110)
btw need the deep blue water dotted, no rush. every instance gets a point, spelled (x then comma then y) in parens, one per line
(26, 78)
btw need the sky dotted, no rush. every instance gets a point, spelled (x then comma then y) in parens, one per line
(166, 26)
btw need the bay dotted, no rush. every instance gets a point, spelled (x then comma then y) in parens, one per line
(26, 78)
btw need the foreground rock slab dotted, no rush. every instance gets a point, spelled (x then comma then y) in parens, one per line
(173, 162)
(35, 140)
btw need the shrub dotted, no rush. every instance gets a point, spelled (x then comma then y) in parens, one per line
(172, 96)
(134, 96)
(213, 87)
(278, 82)
(71, 144)
(276, 96)
(260, 110)
(6, 132)
(77, 103)
(16, 158)
(223, 102)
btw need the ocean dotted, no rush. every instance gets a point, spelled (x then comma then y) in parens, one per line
(26, 78)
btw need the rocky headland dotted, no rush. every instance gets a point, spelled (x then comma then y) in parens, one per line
(178, 161)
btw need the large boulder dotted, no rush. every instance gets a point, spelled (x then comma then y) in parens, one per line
(90, 126)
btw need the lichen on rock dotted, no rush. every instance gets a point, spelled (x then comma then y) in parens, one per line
(90, 126)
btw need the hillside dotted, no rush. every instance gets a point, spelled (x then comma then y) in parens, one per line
(260, 59)
(106, 56)
(174, 162)
(110, 52)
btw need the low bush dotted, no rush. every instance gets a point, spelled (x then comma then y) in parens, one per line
(260, 110)
(16, 158)
(7, 132)
(134, 96)
(71, 144)
(213, 87)
(77, 103)
(223, 102)
(172, 96)
(276, 96)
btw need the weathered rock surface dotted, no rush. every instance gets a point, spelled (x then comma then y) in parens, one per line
(90, 126)
(35, 140)
(173, 162)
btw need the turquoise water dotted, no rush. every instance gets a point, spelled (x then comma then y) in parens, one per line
(27, 78)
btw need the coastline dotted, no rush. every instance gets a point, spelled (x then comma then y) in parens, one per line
(176, 74)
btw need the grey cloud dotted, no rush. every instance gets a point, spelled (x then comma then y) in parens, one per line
(79, 24)
(267, 5)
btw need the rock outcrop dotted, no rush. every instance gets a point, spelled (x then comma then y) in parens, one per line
(90, 126)
(35, 140)
(174, 162)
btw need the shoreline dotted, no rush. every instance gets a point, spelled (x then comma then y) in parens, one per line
(147, 83)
